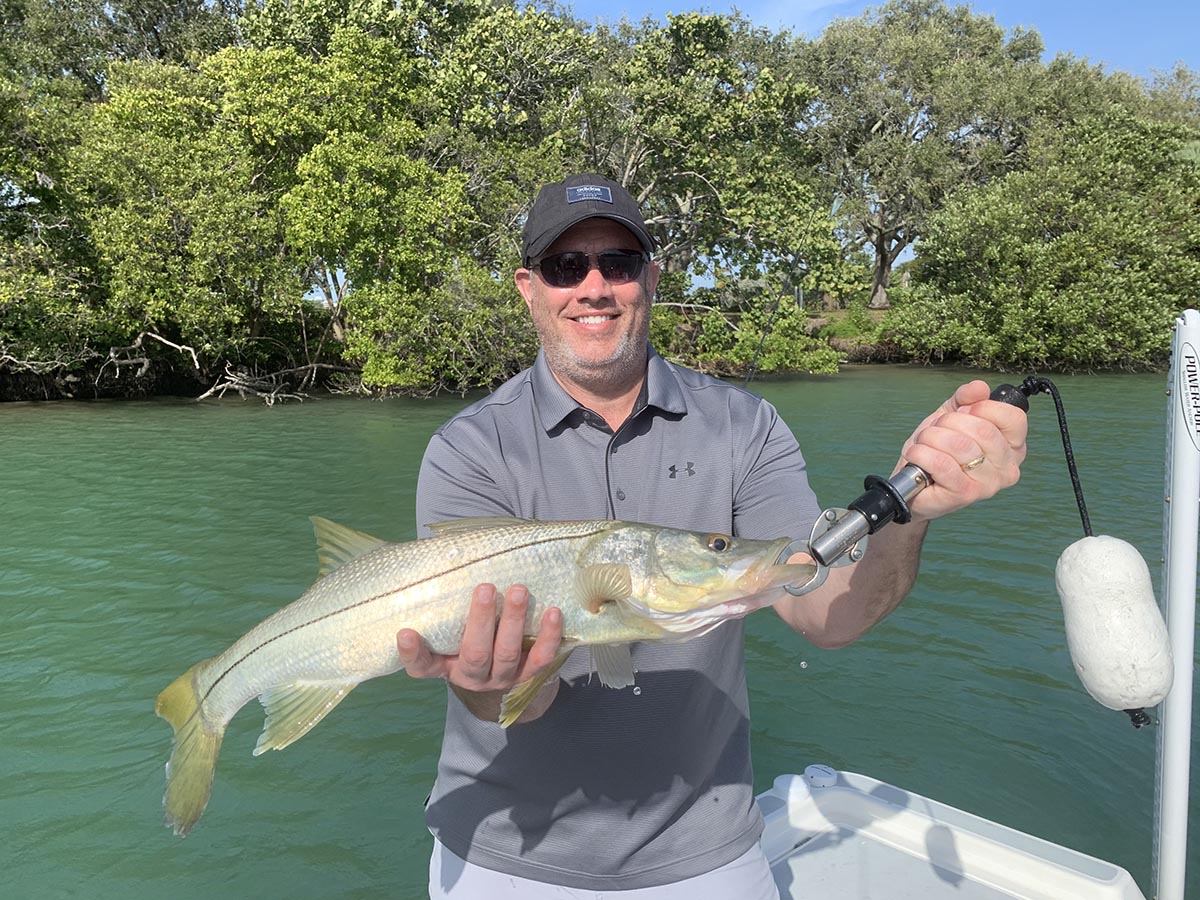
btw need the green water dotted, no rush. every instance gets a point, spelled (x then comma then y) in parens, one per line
(142, 537)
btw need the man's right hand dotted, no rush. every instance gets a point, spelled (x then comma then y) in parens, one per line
(490, 659)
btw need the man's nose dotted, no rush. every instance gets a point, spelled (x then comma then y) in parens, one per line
(594, 285)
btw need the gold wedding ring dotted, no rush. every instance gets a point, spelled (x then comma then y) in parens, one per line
(973, 463)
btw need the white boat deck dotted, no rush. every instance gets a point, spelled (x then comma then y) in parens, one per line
(840, 835)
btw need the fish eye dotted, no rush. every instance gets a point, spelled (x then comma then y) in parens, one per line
(718, 542)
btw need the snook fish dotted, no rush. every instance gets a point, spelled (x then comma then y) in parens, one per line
(615, 582)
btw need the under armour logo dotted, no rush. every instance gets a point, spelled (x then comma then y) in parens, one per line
(674, 470)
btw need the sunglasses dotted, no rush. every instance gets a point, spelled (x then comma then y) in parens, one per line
(565, 270)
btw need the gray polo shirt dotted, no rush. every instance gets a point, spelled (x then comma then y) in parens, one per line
(632, 788)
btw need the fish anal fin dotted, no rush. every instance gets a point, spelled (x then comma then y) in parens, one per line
(337, 544)
(293, 709)
(521, 695)
(602, 583)
(613, 664)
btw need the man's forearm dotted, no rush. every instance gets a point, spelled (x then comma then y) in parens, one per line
(855, 598)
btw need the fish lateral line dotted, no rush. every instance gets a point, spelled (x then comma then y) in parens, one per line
(485, 557)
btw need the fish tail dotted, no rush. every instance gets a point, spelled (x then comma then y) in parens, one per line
(194, 755)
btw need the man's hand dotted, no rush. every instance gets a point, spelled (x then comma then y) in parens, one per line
(490, 658)
(971, 447)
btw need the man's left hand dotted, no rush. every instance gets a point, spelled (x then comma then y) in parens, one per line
(971, 447)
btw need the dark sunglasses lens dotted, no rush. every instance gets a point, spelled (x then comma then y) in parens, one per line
(569, 269)
(565, 269)
(620, 266)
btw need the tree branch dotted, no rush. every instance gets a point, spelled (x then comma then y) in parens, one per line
(143, 361)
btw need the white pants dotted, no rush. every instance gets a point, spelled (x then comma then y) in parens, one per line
(746, 878)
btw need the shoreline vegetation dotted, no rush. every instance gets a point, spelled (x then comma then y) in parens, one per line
(125, 375)
(271, 199)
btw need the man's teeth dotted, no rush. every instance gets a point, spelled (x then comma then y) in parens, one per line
(592, 320)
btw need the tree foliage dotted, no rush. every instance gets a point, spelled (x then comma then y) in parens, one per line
(1080, 261)
(222, 197)
(916, 101)
(311, 185)
(697, 120)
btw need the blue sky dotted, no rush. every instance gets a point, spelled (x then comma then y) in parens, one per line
(1135, 37)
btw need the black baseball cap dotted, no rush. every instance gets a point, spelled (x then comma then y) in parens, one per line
(561, 204)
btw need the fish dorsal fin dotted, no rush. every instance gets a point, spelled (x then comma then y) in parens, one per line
(521, 695)
(337, 544)
(602, 583)
(613, 664)
(293, 709)
(473, 523)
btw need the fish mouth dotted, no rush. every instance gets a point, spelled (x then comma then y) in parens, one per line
(761, 587)
(759, 583)
(769, 571)
(792, 547)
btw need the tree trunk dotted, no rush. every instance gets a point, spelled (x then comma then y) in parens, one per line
(881, 277)
(888, 246)
(333, 289)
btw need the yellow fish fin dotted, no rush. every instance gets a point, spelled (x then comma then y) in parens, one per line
(474, 523)
(521, 695)
(602, 583)
(337, 544)
(293, 709)
(613, 664)
(194, 754)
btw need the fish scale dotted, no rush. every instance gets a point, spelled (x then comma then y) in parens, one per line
(615, 582)
(347, 621)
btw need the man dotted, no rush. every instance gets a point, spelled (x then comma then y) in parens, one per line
(646, 790)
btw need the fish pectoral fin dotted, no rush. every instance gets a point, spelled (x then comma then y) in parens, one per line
(521, 695)
(337, 544)
(613, 664)
(293, 709)
(602, 583)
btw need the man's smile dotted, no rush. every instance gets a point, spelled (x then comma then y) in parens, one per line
(594, 319)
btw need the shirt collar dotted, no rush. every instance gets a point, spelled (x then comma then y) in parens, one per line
(660, 390)
(663, 390)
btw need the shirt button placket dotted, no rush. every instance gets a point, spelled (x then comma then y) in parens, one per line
(612, 451)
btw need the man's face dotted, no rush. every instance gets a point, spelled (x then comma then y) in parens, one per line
(595, 333)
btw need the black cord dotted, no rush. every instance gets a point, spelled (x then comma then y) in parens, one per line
(1035, 384)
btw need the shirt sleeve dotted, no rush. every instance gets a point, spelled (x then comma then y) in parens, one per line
(454, 482)
(773, 498)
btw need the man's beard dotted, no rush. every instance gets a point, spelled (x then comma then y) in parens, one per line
(624, 366)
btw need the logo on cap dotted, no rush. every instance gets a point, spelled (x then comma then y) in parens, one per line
(589, 192)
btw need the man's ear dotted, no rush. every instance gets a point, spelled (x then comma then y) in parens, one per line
(652, 272)
(524, 281)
